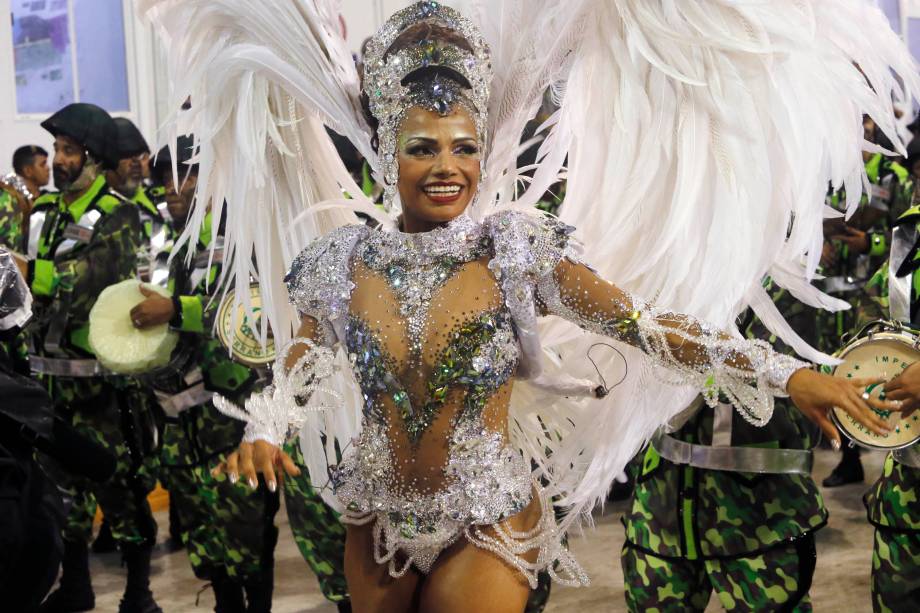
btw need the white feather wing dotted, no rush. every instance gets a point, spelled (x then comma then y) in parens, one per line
(696, 132)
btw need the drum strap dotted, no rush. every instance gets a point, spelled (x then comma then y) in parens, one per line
(192, 397)
(734, 459)
(902, 241)
(909, 456)
(65, 368)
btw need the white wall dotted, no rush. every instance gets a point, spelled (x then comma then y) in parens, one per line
(147, 80)
(16, 130)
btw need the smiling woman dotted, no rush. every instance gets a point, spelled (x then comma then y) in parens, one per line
(438, 167)
(417, 377)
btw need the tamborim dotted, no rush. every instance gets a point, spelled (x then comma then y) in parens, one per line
(118, 345)
(884, 352)
(238, 335)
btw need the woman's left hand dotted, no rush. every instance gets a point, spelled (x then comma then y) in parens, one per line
(815, 394)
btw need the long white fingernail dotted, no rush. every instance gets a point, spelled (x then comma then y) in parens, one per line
(835, 444)
(234, 478)
(272, 486)
(253, 483)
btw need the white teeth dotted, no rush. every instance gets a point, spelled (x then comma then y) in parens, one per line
(443, 189)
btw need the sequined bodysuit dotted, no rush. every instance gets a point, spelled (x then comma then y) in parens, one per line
(436, 326)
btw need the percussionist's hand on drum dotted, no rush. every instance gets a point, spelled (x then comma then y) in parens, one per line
(153, 311)
(258, 457)
(815, 394)
(906, 388)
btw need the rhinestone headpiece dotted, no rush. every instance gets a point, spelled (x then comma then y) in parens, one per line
(389, 99)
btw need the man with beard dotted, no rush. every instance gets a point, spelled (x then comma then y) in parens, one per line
(83, 240)
(126, 181)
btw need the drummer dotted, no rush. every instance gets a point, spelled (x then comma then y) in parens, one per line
(227, 527)
(892, 503)
(126, 181)
(84, 240)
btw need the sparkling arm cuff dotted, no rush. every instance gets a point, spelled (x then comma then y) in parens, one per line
(748, 373)
(282, 407)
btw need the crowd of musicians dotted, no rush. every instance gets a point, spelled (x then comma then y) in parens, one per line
(115, 214)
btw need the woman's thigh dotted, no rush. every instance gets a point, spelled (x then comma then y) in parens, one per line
(470, 579)
(372, 588)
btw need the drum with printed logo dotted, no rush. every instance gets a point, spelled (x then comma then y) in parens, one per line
(882, 349)
(240, 335)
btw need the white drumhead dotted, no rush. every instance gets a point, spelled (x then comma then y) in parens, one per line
(118, 345)
(884, 354)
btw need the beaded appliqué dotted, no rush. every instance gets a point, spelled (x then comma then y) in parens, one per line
(481, 356)
(416, 265)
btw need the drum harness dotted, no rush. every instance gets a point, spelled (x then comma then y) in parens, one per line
(902, 241)
(721, 455)
(196, 393)
(73, 235)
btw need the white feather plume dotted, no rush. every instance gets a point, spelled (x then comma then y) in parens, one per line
(695, 133)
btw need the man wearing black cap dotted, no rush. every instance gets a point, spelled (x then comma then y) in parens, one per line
(126, 181)
(82, 240)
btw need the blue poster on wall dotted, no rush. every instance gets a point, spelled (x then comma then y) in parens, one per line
(69, 51)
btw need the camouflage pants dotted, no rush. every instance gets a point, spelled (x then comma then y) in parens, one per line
(895, 571)
(121, 422)
(319, 534)
(228, 529)
(776, 580)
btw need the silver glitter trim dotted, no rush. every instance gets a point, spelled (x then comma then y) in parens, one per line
(389, 99)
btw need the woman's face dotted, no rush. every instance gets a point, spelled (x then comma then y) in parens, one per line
(438, 167)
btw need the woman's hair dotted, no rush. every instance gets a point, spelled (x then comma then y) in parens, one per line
(412, 36)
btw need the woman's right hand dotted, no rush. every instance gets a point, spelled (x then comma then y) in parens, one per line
(258, 457)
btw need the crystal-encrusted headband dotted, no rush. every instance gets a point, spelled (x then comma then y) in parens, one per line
(389, 99)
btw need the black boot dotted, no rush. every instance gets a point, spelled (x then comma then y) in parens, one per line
(259, 592)
(105, 542)
(344, 606)
(849, 470)
(76, 590)
(137, 597)
(228, 595)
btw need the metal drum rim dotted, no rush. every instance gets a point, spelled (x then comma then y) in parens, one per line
(899, 335)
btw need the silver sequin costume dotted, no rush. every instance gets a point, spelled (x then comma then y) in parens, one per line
(433, 324)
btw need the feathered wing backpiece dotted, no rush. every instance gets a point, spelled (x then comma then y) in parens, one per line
(701, 140)
(263, 79)
(531, 44)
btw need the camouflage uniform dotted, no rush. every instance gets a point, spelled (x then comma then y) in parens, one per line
(68, 273)
(892, 192)
(319, 534)
(11, 222)
(14, 348)
(892, 503)
(748, 537)
(228, 529)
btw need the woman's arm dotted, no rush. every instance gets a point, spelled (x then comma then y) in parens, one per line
(260, 451)
(749, 373)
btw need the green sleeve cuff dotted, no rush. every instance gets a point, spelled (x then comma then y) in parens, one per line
(192, 314)
(877, 245)
(44, 279)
